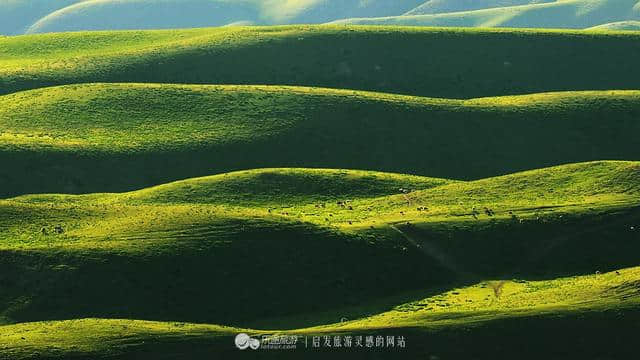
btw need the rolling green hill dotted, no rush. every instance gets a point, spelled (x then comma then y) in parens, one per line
(92, 138)
(476, 191)
(565, 14)
(92, 339)
(358, 246)
(118, 252)
(622, 25)
(448, 63)
(321, 11)
(181, 234)
(448, 6)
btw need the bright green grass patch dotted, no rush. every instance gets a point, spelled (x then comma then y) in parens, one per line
(100, 337)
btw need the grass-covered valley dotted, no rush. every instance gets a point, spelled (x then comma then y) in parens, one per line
(474, 191)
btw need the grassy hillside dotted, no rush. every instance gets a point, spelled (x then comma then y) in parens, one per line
(161, 191)
(622, 25)
(146, 254)
(101, 338)
(448, 6)
(448, 63)
(163, 244)
(540, 310)
(92, 138)
(566, 14)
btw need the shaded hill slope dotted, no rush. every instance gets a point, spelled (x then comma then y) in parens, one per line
(523, 310)
(147, 254)
(93, 138)
(448, 63)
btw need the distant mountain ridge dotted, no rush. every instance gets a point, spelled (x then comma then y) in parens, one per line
(562, 14)
(447, 6)
(42, 16)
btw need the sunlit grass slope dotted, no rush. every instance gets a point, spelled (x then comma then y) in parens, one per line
(93, 138)
(449, 63)
(572, 14)
(495, 299)
(189, 250)
(197, 249)
(485, 313)
(102, 338)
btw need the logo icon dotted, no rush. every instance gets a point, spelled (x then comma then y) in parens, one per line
(244, 341)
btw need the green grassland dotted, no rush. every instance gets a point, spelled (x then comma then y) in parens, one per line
(447, 63)
(481, 313)
(161, 191)
(562, 14)
(232, 230)
(92, 138)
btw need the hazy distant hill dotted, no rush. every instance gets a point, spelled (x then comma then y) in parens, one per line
(146, 14)
(159, 14)
(446, 6)
(39, 16)
(576, 14)
(620, 25)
